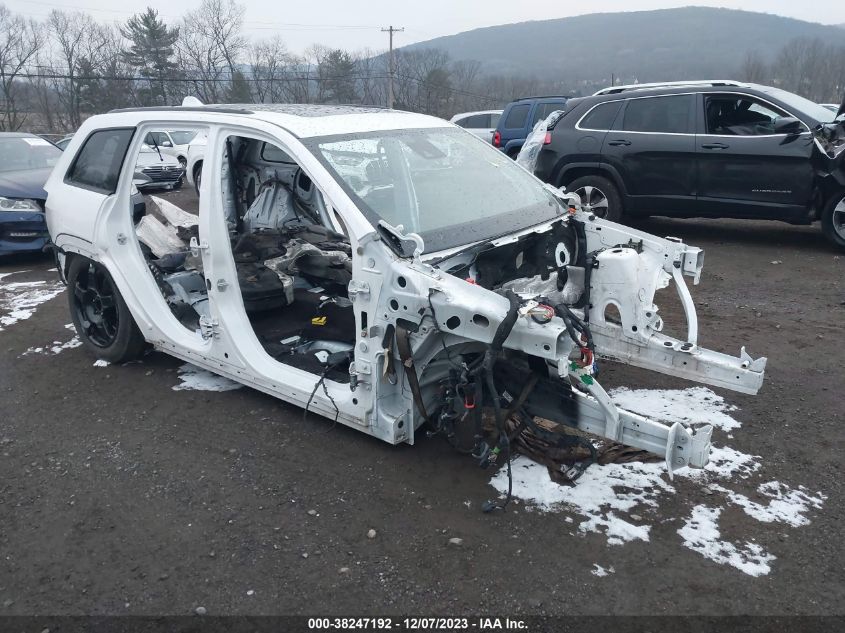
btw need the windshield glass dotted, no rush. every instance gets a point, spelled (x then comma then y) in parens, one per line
(182, 138)
(25, 153)
(444, 184)
(802, 105)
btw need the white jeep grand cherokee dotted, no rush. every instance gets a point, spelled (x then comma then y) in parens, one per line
(381, 268)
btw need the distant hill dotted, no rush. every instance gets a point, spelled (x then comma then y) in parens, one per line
(646, 45)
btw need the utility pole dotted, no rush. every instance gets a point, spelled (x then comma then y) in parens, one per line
(392, 70)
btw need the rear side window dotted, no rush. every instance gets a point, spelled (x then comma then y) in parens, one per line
(601, 117)
(668, 115)
(517, 116)
(97, 165)
(478, 121)
(544, 110)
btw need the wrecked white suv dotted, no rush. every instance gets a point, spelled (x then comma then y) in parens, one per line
(382, 268)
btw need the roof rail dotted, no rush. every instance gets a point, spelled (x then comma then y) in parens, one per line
(544, 97)
(612, 90)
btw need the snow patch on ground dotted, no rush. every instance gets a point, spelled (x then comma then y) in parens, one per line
(600, 571)
(192, 377)
(727, 463)
(56, 346)
(601, 494)
(101, 363)
(18, 300)
(606, 496)
(701, 534)
(698, 405)
(786, 505)
(14, 272)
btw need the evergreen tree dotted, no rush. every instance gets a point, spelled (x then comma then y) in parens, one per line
(239, 91)
(151, 51)
(337, 77)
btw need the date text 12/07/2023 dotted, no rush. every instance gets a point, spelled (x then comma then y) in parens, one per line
(417, 624)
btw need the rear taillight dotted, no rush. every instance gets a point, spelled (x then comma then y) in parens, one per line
(497, 139)
(548, 139)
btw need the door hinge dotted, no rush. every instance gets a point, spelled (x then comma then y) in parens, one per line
(209, 328)
(196, 247)
(358, 288)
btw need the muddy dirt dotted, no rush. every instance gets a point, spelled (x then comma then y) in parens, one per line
(121, 495)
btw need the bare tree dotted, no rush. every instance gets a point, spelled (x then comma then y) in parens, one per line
(468, 93)
(371, 77)
(273, 70)
(71, 39)
(20, 40)
(105, 78)
(754, 69)
(210, 46)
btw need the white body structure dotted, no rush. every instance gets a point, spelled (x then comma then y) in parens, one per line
(397, 291)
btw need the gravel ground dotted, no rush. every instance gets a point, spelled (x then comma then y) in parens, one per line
(122, 496)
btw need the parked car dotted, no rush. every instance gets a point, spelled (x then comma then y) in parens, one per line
(482, 124)
(157, 170)
(519, 118)
(377, 267)
(26, 161)
(63, 142)
(195, 158)
(701, 149)
(172, 142)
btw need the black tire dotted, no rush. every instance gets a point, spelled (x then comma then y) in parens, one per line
(595, 189)
(198, 177)
(100, 315)
(833, 219)
(513, 152)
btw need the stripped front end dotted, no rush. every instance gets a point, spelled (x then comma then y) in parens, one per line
(515, 326)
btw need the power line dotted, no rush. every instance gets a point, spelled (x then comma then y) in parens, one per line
(454, 90)
(215, 79)
(228, 76)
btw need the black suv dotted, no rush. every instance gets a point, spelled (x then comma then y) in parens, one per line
(701, 149)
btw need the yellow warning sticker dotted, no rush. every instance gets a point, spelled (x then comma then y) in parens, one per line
(321, 320)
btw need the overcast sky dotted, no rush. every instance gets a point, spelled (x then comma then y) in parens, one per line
(355, 24)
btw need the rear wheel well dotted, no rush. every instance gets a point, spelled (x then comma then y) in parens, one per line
(69, 257)
(197, 169)
(577, 172)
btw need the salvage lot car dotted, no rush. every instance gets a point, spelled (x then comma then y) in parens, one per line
(156, 170)
(26, 161)
(171, 142)
(381, 268)
(719, 149)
